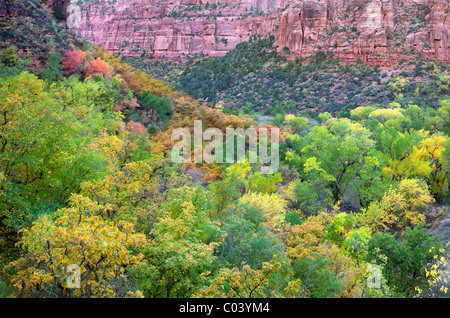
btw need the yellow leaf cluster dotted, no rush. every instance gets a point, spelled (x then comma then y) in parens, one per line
(272, 205)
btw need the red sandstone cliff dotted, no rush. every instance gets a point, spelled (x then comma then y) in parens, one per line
(375, 31)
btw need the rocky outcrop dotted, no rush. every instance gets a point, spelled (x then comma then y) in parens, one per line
(377, 32)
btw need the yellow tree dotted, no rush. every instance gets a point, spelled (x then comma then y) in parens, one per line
(377, 216)
(405, 156)
(345, 269)
(433, 146)
(384, 114)
(126, 193)
(311, 243)
(250, 283)
(361, 113)
(304, 240)
(437, 275)
(408, 201)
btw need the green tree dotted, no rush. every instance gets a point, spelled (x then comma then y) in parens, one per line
(161, 105)
(340, 150)
(317, 279)
(305, 198)
(52, 68)
(181, 246)
(299, 125)
(44, 156)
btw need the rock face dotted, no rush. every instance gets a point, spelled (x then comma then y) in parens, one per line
(377, 31)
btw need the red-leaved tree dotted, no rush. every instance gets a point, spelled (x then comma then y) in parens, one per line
(72, 61)
(127, 105)
(136, 128)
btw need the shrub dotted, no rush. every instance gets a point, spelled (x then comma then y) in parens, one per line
(98, 66)
(9, 56)
(136, 128)
(52, 69)
(72, 62)
(161, 105)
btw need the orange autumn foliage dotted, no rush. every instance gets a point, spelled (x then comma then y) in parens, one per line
(271, 129)
(98, 66)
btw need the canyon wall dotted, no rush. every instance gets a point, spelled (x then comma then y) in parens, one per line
(377, 32)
